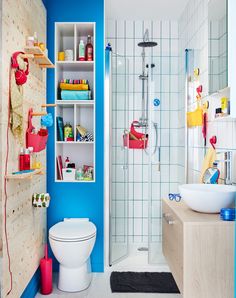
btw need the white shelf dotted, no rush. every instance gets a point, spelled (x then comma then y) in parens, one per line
(74, 142)
(75, 102)
(74, 181)
(75, 65)
(75, 62)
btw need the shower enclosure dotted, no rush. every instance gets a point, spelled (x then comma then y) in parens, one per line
(133, 175)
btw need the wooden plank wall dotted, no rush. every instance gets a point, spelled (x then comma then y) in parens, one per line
(26, 226)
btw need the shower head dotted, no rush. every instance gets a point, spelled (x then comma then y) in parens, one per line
(147, 44)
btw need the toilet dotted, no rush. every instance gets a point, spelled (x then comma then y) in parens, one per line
(72, 242)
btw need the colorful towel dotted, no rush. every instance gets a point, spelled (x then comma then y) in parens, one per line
(71, 81)
(65, 86)
(75, 95)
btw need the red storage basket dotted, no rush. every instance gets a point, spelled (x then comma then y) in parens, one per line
(37, 141)
(142, 141)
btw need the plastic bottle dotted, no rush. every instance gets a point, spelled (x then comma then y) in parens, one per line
(21, 159)
(67, 161)
(79, 174)
(89, 49)
(36, 43)
(81, 51)
(27, 159)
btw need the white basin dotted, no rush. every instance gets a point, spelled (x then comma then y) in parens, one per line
(208, 198)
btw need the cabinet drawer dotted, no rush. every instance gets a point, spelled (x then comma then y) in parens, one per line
(172, 243)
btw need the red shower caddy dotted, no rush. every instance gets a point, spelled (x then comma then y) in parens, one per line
(140, 143)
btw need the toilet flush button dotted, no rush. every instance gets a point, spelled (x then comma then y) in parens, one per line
(76, 219)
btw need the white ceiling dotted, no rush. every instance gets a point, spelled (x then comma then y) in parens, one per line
(144, 9)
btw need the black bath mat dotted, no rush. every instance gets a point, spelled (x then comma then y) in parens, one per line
(143, 282)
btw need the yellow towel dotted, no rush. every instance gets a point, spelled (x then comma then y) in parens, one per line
(77, 87)
(209, 158)
(195, 118)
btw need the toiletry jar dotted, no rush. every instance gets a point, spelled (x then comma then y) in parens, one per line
(68, 174)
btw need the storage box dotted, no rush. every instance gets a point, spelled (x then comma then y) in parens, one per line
(68, 174)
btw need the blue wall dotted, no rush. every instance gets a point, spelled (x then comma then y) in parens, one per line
(78, 199)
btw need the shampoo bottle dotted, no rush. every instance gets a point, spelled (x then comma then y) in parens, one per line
(81, 51)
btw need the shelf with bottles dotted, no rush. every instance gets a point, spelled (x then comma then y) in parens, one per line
(75, 163)
(68, 38)
(75, 123)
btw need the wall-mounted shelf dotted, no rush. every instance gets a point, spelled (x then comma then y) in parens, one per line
(39, 57)
(25, 175)
(75, 112)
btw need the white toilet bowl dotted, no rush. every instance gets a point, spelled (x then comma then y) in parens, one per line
(72, 242)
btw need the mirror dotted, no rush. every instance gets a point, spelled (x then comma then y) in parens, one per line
(217, 45)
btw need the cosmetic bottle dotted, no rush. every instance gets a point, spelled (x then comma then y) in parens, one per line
(81, 51)
(89, 50)
(21, 160)
(27, 159)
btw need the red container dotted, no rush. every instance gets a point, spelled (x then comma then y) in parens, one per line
(142, 141)
(36, 140)
(134, 144)
(46, 273)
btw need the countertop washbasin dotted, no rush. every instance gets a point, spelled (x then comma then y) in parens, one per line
(208, 198)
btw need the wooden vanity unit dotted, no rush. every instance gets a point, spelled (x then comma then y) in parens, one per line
(199, 249)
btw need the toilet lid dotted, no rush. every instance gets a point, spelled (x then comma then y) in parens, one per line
(73, 231)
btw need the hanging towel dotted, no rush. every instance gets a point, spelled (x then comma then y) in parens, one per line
(209, 158)
(16, 95)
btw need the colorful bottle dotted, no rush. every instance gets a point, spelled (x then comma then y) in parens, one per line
(81, 51)
(68, 132)
(67, 161)
(21, 160)
(27, 159)
(79, 174)
(89, 50)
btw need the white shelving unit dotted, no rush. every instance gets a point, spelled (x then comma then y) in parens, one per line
(68, 36)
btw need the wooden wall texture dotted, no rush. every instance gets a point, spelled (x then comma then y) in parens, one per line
(26, 226)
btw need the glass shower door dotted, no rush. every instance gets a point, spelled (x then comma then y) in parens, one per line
(119, 158)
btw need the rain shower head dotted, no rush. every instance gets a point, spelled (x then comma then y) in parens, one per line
(147, 44)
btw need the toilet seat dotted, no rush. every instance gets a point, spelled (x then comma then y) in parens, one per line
(72, 231)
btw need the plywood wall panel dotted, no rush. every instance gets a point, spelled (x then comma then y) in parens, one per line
(26, 225)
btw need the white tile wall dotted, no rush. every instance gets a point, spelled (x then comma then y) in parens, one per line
(193, 29)
(124, 37)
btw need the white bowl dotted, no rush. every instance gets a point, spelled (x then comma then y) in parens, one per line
(208, 198)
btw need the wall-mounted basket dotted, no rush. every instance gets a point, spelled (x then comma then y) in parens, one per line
(36, 140)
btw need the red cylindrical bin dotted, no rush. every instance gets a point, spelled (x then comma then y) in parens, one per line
(46, 273)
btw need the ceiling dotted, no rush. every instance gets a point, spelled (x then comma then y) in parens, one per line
(145, 9)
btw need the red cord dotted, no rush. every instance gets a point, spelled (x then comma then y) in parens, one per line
(5, 188)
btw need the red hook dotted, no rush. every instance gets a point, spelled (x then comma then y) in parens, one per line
(213, 141)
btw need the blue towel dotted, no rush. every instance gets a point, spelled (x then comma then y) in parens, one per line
(75, 95)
